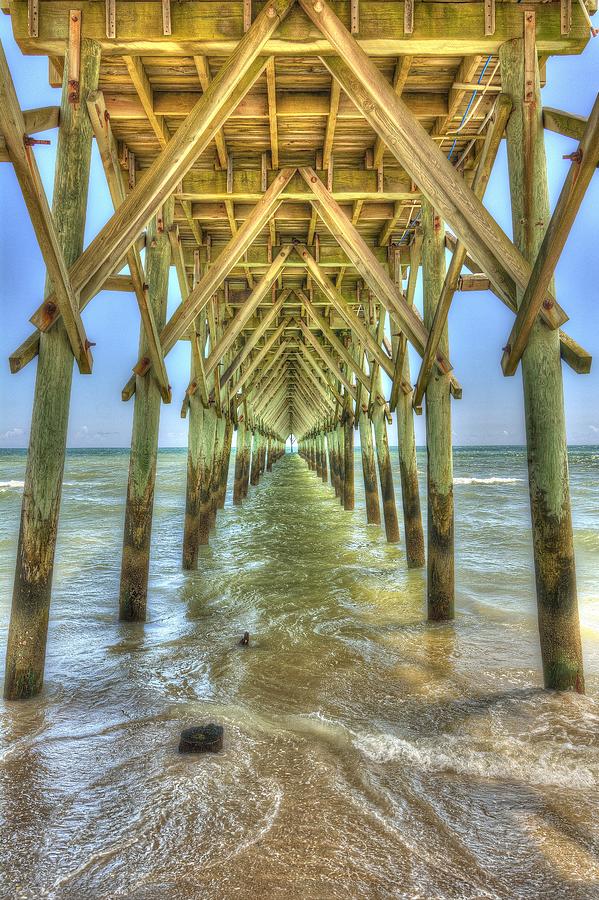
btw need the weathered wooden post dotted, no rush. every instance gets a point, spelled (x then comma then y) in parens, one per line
(371, 488)
(384, 463)
(406, 439)
(216, 468)
(440, 572)
(555, 570)
(205, 461)
(238, 484)
(195, 455)
(193, 488)
(378, 411)
(247, 450)
(226, 459)
(323, 456)
(341, 460)
(28, 630)
(270, 451)
(255, 465)
(139, 508)
(348, 458)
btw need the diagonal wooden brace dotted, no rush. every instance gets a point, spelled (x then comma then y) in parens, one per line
(64, 298)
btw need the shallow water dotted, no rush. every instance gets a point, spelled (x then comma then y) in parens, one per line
(368, 754)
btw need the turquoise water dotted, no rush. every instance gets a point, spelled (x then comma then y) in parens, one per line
(367, 754)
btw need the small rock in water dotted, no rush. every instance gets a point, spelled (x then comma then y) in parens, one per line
(201, 739)
(245, 639)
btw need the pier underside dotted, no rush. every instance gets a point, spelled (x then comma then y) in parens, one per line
(300, 165)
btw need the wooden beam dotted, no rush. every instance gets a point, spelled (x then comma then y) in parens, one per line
(438, 29)
(568, 124)
(373, 273)
(247, 311)
(106, 143)
(328, 359)
(402, 348)
(402, 70)
(481, 179)
(232, 82)
(582, 168)
(344, 310)
(203, 70)
(421, 157)
(204, 290)
(41, 119)
(20, 151)
(253, 338)
(271, 87)
(177, 104)
(329, 137)
(575, 356)
(349, 185)
(334, 341)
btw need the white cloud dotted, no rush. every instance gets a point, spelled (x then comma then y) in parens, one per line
(14, 432)
(594, 429)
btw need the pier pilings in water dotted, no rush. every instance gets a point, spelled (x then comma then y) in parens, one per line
(548, 477)
(28, 630)
(298, 313)
(440, 545)
(139, 509)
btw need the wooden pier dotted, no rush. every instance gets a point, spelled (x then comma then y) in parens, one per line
(299, 163)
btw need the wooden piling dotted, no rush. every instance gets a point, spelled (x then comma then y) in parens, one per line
(555, 571)
(440, 571)
(247, 450)
(323, 452)
(194, 482)
(27, 635)
(371, 488)
(205, 473)
(238, 483)
(406, 439)
(255, 464)
(381, 440)
(139, 508)
(348, 462)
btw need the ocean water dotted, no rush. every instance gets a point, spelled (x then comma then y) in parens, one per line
(367, 753)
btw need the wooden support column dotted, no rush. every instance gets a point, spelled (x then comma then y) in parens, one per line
(381, 439)
(323, 455)
(28, 629)
(208, 437)
(216, 468)
(247, 451)
(440, 573)
(371, 488)
(348, 454)
(239, 456)
(543, 392)
(406, 439)
(193, 490)
(255, 469)
(224, 475)
(135, 565)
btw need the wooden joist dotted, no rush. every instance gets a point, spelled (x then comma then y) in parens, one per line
(20, 151)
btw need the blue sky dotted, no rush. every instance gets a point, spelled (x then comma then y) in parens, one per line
(491, 410)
